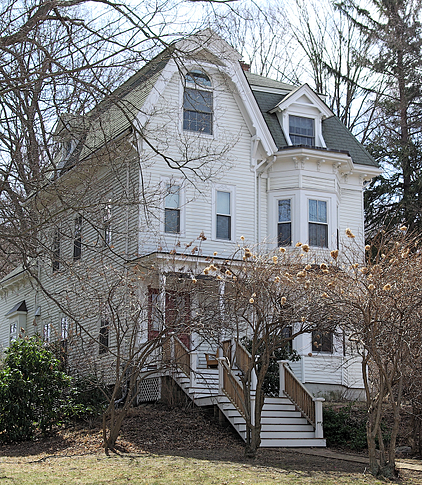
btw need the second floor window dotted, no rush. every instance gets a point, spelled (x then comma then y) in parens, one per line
(56, 249)
(322, 342)
(284, 228)
(172, 209)
(197, 103)
(104, 336)
(318, 223)
(302, 130)
(223, 214)
(77, 239)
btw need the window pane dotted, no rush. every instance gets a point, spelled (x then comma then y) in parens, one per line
(198, 77)
(172, 197)
(223, 203)
(322, 211)
(322, 341)
(318, 235)
(313, 210)
(223, 227)
(284, 210)
(301, 130)
(284, 235)
(197, 100)
(195, 121)
(172, 221)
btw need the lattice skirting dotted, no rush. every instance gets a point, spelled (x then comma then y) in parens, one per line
(149, 390)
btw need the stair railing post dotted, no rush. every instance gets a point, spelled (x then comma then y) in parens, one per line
(282, 381)
(319, 433)
(193, 368)
(220, 375)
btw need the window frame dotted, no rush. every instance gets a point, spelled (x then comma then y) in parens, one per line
(316, 223)
(104, 335)
(165, 182)
(77, 238)
(290, 199)
(198, 86)
(232, 191)
(313, 137)
(327, 340)
(107, 234)
(56, 249)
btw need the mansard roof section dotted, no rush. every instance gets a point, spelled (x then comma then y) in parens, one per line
(338, 137)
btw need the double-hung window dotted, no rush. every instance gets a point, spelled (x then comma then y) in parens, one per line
(318, 223)
(284, 228)
(302, 130)
(77, 238)
(104, 335)
(197, 103)
(13, 332)
(322, 342)
(56, 249)
(46, 334)
(172, 209)
(107, 224)
(223, 215)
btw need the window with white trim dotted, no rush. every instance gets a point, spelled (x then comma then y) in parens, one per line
(107, 239)
(56, 249)
(46, 333)
(318, 223)
(284, 225)
(322, 342)
(172, 209)
(223, 227)
(302, 130)
(197, 103)
(103, 339)
(64, 328)
(77, 238)
(13, 332)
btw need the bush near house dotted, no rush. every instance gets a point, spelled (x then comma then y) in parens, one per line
(35, 393)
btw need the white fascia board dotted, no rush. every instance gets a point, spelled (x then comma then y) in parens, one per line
(308, 92)
(366, 171)
(235, 72)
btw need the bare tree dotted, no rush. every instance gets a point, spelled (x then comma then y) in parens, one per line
(378, 298)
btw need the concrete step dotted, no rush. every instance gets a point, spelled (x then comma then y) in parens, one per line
(293, 443)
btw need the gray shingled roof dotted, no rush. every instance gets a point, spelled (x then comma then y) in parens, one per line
(338, 137)
(266, 82)
(266, 102)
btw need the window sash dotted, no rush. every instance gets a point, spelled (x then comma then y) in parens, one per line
(223, 227)
(103, 336)
(77, 239)
(302, 130)
(318, 235)
(197, 110)
(172, 221)
(322, 342)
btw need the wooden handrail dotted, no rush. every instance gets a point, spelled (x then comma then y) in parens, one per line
(243, 358)
(181, 356)
(299, 395)
(226, 346)
(233, 389)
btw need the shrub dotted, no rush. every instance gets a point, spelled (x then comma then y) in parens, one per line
(343, 428)
(31, 390)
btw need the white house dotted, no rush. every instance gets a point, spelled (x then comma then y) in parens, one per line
(193, 144)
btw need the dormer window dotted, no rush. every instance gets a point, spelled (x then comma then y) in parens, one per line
(197, 103)
(302, 130)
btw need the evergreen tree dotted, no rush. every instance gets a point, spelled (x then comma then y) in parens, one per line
(395, 196)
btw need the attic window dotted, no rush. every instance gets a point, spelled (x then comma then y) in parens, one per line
(302, 130)
(197, 103)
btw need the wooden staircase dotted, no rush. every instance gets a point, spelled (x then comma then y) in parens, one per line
(294, 419)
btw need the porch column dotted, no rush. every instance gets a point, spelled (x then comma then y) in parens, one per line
(281, 364)
(193, 368)
(319, 433)
(220, 375)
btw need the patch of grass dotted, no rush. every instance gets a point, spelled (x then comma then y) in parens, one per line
(168, 469)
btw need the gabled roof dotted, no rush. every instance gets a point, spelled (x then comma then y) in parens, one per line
(19, 307)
